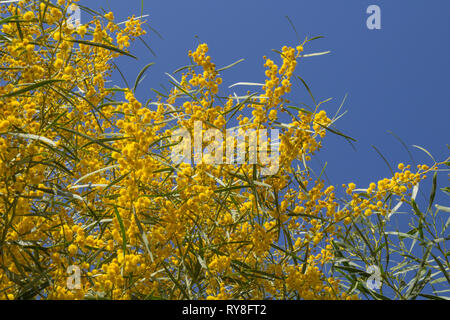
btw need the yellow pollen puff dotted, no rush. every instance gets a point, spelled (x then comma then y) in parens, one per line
(4, 124)
(58, 63)
(28, 15)
(72, 249)
(109, 16)
(273, 114)
(56, 13)
(82, 30)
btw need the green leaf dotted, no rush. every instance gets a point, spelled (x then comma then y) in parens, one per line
(8, 19)
(299, 109)
(384, 159)
(353, 270)
(446, 190)
(442, 208)
(230, 65)
(184, 68)
(94, 172)
(336, 132)
(431, 297)
(402, 235)
(307, 89)
(104, 46)
(116, 181)
(143, 235)
(433, 191)
(413, 286)
(315, 54)
(96, 141)
(424, 150)
(141, 73)
(441, 266)
(122, 231)
(31, 87)
(315, 38)
(246, 84)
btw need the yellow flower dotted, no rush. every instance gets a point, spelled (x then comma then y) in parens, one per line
(72, 249)
(4, 124)
(28, 15)
(109, 16)
(273, 114)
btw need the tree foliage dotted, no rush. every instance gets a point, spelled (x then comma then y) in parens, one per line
(87, 180)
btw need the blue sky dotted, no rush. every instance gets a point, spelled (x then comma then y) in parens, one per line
(396, 78)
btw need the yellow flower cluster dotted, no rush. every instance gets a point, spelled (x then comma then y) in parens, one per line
(371, 202)
(246, 244)
(86, 179)
(208, 77)
(42, 223)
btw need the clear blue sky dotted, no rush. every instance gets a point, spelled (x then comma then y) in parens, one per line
(396, 78)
